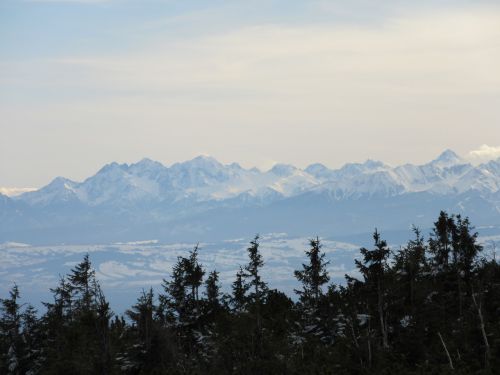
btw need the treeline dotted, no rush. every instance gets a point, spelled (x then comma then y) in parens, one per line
(432, 306)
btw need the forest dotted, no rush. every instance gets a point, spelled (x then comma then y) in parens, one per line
(431, 306)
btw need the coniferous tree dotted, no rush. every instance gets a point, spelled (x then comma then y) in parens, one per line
(77, 338)
(313, 275)
(410, 286)
(257, 292)
(256, 286)
(181, 307)
(173, 302)
(432, 307)
(409, 264)
(239, 298)
(11, 344)
(57, 321)
(151, 346)
(213, 290)
(440, 243)
(193, 273)
(82, 279)
(465, 247)
(32, 360)
(102, 316)
(315, 314)
(141, 315)
(373, 268)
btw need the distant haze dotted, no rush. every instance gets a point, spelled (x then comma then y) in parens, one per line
(205, 200)
(87, 82)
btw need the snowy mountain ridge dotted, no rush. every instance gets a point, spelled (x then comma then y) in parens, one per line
(204, 199)
(204, 179)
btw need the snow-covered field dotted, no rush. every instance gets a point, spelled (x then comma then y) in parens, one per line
(124, 269)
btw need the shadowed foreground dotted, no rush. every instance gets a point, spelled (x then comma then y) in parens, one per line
(429, 307)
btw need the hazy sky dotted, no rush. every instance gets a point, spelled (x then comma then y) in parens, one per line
(86, 82)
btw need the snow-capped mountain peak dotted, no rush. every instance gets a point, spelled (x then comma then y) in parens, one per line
(283, 170)
(198, 195)
(316, 168)
(447, 159)
(147, 163)
(204, 179)
(60, 189)
(111, 167)
(199, 162)
(147, 167)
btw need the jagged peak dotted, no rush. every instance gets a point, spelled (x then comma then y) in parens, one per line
(371, 163)
(58, 186)
(281, 169)
(367, 164)
(316, 168)
(147, 163)
(235, 166)
(448, 157)
(206, 176)
(204, 157)
(60, 181)
(111, 167)
(491, 162)
(200, 161)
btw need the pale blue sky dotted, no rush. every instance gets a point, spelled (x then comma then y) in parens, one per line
(86, 82)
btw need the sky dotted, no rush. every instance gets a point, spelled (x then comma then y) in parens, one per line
(88, 82)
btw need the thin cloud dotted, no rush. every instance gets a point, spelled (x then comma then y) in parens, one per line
(408, 56)
(484, 153)
(13, 191)
(285, 87)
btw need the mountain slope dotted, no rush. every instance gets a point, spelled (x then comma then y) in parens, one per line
(204, 198)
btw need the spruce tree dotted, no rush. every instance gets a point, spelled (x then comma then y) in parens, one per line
(173, 302)
(77, 322)
(193, 273)
(32, 331)
(141, 315)
(82, 280)
(11, 343)
(465, 247)
(432, 308)
(410, 287)
(441, 240)
(257, 288)
(409, 264)
(239, 289)
(212, 291)
(313, 275)
(181, 305)
(373, 268)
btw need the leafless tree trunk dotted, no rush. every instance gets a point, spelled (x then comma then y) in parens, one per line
(487, 353)
(355, 340)
(381, 316)
(369, 345)
(446, 350)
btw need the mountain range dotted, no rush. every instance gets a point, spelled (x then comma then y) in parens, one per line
(202, 199)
